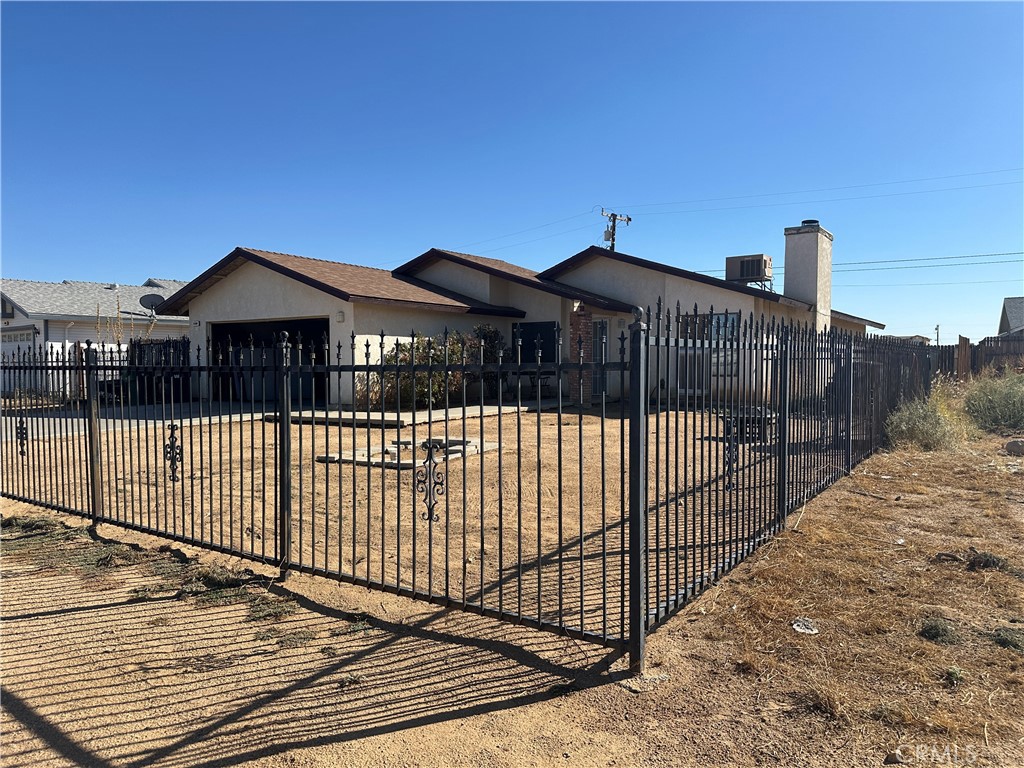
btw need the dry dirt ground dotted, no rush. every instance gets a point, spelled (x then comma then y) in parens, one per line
(118, 650)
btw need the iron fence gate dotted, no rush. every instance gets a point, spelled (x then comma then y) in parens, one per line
(591, 494)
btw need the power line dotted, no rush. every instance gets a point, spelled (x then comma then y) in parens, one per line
(933, 258)
(929, 266)
(825, 189)
(742, 197)
(916, 285)
(545, 237)
(897, 261)
(828, 200)
(528, 229)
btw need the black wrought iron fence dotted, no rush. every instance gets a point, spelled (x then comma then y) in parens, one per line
(460, 472)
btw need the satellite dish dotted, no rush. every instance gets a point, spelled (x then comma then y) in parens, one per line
(151, 301)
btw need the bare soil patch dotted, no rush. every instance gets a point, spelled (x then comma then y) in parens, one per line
(119, 650)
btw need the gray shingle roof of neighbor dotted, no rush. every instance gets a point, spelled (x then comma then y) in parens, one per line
(1012, 317)
(349, 282)
(513, 273)
(77, 298)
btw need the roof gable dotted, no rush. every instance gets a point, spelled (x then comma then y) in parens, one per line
(349, 282)
(513, 273)
(596, 252)
(1012, 317)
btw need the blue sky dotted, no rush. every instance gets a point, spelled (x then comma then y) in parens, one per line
(150, 139)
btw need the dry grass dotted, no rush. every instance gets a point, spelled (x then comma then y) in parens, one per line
(909, 541)
(916, 644)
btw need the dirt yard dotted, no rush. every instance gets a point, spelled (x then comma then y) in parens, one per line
(119, 650)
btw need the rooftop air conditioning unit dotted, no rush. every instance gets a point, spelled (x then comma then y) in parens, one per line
(749, 269)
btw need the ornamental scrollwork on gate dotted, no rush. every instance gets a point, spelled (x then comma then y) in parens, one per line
(173, 453)
(21, 432)
(430, 478)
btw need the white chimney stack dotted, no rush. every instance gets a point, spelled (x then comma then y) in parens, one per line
(809, 269)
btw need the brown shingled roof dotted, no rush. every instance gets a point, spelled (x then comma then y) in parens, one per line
(350, 282)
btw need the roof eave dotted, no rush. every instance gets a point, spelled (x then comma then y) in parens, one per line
(463, 309)
(854, 319)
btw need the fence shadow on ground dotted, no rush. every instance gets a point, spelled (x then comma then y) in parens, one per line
(98, 677)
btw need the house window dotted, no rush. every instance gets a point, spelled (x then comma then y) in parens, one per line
(8, 309)
(725, 326)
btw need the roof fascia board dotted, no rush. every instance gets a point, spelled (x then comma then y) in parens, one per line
(172, 319)
(853, 318)
(192, 289)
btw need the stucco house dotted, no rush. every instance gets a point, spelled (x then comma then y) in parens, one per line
(47, 314)
(256, 294)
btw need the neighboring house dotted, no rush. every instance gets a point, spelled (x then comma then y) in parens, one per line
(46, 314)
(1011, 319)
(254, 294)
(913, 339)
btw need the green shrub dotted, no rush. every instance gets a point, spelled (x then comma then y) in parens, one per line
(996, 403)
(397, 386)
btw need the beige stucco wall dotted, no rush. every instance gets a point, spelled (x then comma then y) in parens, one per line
(455, 277)
(845, 325)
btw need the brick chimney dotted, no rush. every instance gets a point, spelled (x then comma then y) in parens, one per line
(809, 269)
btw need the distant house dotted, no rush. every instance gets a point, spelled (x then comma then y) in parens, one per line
(251, 296)
(44, 314)
(1011, 319)
(913, 339)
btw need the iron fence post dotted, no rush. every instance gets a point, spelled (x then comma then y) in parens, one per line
(92, 395)
(848, 443)
(782, 475)
(637, 491)
(284, 456)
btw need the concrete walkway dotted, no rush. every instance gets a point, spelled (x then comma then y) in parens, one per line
(393, 420)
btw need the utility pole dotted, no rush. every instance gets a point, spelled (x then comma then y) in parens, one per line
(936, 335)
(613, 219)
